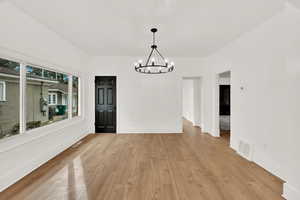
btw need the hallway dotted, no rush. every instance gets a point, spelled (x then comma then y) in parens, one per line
(189, 166)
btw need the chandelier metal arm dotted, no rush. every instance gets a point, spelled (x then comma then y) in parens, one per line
(149, 56)
(160, 54)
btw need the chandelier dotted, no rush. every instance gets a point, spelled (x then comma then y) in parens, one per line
(156, 63)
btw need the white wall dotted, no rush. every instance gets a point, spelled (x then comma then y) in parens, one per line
(188, 99)
(224, 81)
(198, 102)
(265, 113)
(23, 38)
(145, 103)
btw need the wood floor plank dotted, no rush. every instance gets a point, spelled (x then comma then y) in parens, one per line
(188, 166)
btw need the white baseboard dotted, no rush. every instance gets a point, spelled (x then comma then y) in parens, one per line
(215, 132)
(210, 132)
(290, 192)
(148, 132)
(265, 161)
(205, 130)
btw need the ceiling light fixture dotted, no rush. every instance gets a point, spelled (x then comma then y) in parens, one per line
(156, 63)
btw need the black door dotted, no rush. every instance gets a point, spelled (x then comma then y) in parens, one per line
(105, 108)
(224, 99)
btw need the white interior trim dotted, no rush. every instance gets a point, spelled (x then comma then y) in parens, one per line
(79, 101)
(215, 98)
(70, 96)
(216, 104)
(22, 98)
(290, 192)
(19, 57)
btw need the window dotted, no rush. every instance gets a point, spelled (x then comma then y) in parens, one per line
(75, 96)
(45, 94)
(52, 98)
(2, 91)
(47, 97)
(9, 98)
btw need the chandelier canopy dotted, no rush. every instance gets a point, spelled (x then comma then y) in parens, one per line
(155, 63)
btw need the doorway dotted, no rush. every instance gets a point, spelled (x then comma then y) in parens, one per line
(105, 104)
(192, 101)
(224, 105)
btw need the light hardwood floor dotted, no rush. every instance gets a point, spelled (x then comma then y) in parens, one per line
(189, 166)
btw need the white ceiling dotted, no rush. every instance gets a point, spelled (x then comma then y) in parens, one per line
(121, 27)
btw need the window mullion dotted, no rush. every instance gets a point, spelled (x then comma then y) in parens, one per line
(4, 91)
(70, 95)
(79, 103)
(22, 98)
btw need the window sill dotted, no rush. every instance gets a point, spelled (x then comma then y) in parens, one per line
(12, 142)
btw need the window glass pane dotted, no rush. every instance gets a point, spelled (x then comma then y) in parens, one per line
(54, 99)
(75, 96)
(9, 109)
(44, 93)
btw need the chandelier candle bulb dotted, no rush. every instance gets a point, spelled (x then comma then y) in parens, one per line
(152, 60)
(155, 62)
(166, 61)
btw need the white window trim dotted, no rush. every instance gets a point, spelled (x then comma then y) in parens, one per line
(4, 90)
(51, 100)
(79, 97)
(70, 94)
(22, 98)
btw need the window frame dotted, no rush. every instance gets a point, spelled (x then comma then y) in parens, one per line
(3, 92)
(51, 102)
(28, 135)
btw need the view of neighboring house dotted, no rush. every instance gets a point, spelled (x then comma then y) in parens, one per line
(46, 97)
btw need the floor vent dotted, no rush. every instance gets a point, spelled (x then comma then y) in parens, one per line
(245, 149)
